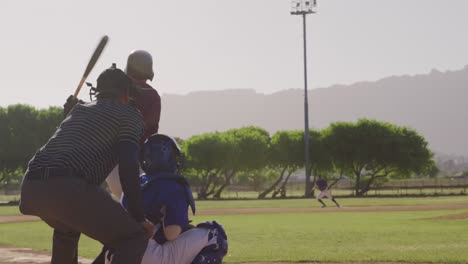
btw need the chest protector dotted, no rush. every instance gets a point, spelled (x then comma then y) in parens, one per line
(157, 189)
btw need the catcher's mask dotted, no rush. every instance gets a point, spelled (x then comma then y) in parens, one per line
(112, 83)
(161, 153)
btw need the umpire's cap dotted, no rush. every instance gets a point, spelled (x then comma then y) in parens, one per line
(113, 82)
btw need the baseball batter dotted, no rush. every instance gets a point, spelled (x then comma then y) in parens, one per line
(146, 99)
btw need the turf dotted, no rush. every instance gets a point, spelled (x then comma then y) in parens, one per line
(9, 210)
(340, 237)
(305, 203)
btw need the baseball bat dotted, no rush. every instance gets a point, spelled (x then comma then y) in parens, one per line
(97, 53)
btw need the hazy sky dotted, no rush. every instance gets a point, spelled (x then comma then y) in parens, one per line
(220, 44)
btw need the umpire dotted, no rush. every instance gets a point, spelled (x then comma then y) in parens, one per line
(62, 183)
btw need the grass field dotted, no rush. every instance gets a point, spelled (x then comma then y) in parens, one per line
(305, 203)
(7, 198)
(340, 237)
(9, 210)
(295, 237)
(299, 192)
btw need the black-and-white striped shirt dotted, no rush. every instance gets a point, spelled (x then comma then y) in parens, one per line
(86, 140)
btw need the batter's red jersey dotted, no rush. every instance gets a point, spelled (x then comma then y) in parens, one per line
(148, 102)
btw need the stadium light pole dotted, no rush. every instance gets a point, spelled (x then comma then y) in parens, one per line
(303, 8)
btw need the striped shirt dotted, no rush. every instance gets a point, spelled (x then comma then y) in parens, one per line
(86, 140)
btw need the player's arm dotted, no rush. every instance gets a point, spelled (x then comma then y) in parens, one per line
(171, 232)
(153, 115)
(128, 150)
(129, 172)
(176, 215)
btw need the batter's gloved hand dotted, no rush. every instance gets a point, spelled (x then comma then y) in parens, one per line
(70, 103)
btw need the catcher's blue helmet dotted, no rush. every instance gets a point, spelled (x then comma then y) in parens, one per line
(161, 153)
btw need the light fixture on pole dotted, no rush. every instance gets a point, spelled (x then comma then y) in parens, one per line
(304, 7)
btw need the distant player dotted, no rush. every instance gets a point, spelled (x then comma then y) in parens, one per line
(167, 198)
(322, 185)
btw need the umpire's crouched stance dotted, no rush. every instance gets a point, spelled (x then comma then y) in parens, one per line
(61, 185)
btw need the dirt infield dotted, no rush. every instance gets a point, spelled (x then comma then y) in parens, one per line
(10, 255)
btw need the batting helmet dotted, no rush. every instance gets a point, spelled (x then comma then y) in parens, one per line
(161, 153)
(140, 65)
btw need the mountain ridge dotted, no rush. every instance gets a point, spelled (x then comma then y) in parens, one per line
(430, 103)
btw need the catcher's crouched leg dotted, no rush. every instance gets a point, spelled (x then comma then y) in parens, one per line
(217, 246)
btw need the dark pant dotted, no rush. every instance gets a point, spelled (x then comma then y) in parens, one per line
(71, 206)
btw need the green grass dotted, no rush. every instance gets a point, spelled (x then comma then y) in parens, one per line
(299, 192)
(38, 235)
(8, 198)
(9, 210)
(389, 236)
(305, 203)
(340, 237)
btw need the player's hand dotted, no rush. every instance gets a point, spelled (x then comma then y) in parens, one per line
(70, 103)
(149, 228)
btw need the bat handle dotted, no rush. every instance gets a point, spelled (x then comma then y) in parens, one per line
(77, 91)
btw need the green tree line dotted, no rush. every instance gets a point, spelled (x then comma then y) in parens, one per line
(23, 129)
(368, 152)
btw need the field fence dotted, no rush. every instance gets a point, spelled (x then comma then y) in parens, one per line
(411, 187)
(408, 187)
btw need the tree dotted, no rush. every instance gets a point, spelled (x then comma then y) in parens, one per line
(247, 152)
(205, 155)
(4, 138)
(371, 150)
(23, 130)
(321, 164)
(285, 156)
(11, 179)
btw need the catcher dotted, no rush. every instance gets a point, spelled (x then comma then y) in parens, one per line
(167, 197)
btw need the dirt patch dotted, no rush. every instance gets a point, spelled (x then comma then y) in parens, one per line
(5, 219)
(449, 217)
(10, 255)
